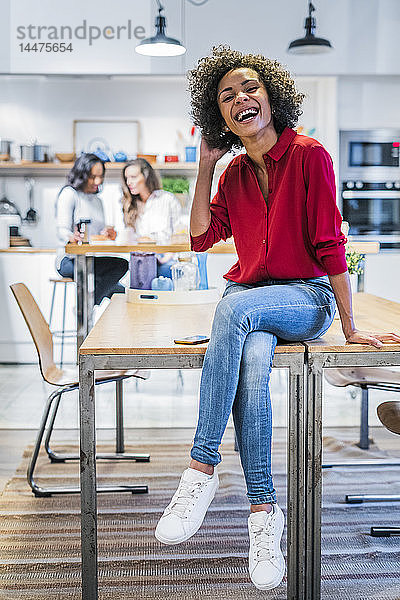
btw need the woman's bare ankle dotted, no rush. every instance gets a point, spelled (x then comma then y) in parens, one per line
(195, 464)
(258, 507)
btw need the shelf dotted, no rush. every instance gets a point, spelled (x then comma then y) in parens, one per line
(112, 169)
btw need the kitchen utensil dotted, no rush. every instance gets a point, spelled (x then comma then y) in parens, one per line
(84, 228)
(100, 147)
(9, 208)
(8, 226)
(31, 215)
(5, 149)
(143, 269)
(65, 156)
(162, 283)
(190, 153)
(185, 274)
(202, 266)
(120, 156)
(41, 153)
(27, 152)
(151, 158)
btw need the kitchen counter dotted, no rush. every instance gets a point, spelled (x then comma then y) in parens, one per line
(367, 247)
(52, 169)
(28, 250)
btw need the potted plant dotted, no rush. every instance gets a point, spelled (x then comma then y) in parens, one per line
(355, 266)
(179, 186)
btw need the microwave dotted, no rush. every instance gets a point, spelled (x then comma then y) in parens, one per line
(369, 155)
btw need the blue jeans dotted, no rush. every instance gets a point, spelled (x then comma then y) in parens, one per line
(237, 365)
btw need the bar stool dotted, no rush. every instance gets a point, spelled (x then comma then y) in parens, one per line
(61, 333)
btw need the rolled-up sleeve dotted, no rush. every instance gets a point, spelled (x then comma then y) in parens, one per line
(323, 217)
(219, 228)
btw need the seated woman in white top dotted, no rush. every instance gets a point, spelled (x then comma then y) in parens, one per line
(79, 200)
(150, 213)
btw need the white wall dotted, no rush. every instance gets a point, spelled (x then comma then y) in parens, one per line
(43, 108)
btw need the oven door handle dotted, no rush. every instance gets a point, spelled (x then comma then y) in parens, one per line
(378, 194)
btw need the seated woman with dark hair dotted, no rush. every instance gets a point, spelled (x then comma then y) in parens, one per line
(79, 200)
(150, 213)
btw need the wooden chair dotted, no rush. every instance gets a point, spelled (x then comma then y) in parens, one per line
(67, 380)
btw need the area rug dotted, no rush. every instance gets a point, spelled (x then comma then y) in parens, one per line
(40, 540)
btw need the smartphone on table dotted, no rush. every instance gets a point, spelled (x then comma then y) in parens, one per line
(192, 340)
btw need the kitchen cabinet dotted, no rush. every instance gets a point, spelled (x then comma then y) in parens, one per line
(382, 275)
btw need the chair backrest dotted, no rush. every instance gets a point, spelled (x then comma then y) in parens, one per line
(389, 415)
(37, 326)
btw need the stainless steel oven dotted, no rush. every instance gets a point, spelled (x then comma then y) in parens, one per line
(370, 183)
(371, 208)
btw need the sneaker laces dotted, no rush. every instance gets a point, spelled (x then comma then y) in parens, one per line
(185, 497)
(263, 540)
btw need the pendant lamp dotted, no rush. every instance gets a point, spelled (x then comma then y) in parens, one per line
(310, 44)
(160, 44)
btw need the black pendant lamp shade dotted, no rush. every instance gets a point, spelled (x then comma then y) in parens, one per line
(160, 44)
(310, 44)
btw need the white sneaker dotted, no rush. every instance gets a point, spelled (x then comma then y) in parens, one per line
(186, 511)
(266, 562)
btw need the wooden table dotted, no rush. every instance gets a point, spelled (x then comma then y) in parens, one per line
(84, 269)
(84, 272)
(371, 314)
(141, 337)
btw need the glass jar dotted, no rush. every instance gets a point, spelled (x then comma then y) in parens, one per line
(185, 274)
(162, 283)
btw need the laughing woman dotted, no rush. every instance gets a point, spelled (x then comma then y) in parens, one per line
(278, 202)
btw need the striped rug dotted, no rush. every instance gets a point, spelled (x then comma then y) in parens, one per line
(40, 543)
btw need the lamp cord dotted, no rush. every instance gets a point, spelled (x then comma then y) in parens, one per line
(194, 2)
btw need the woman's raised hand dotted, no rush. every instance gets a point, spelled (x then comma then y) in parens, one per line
(210, 155)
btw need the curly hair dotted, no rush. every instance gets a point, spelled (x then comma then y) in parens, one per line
(129, 200)
(203, 81)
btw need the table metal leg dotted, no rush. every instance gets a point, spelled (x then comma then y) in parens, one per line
(119, 416)
(84, 278)
(88, 480)
(295, 500)
(313, 454)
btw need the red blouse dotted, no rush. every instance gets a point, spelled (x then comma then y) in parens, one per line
(296, 233)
